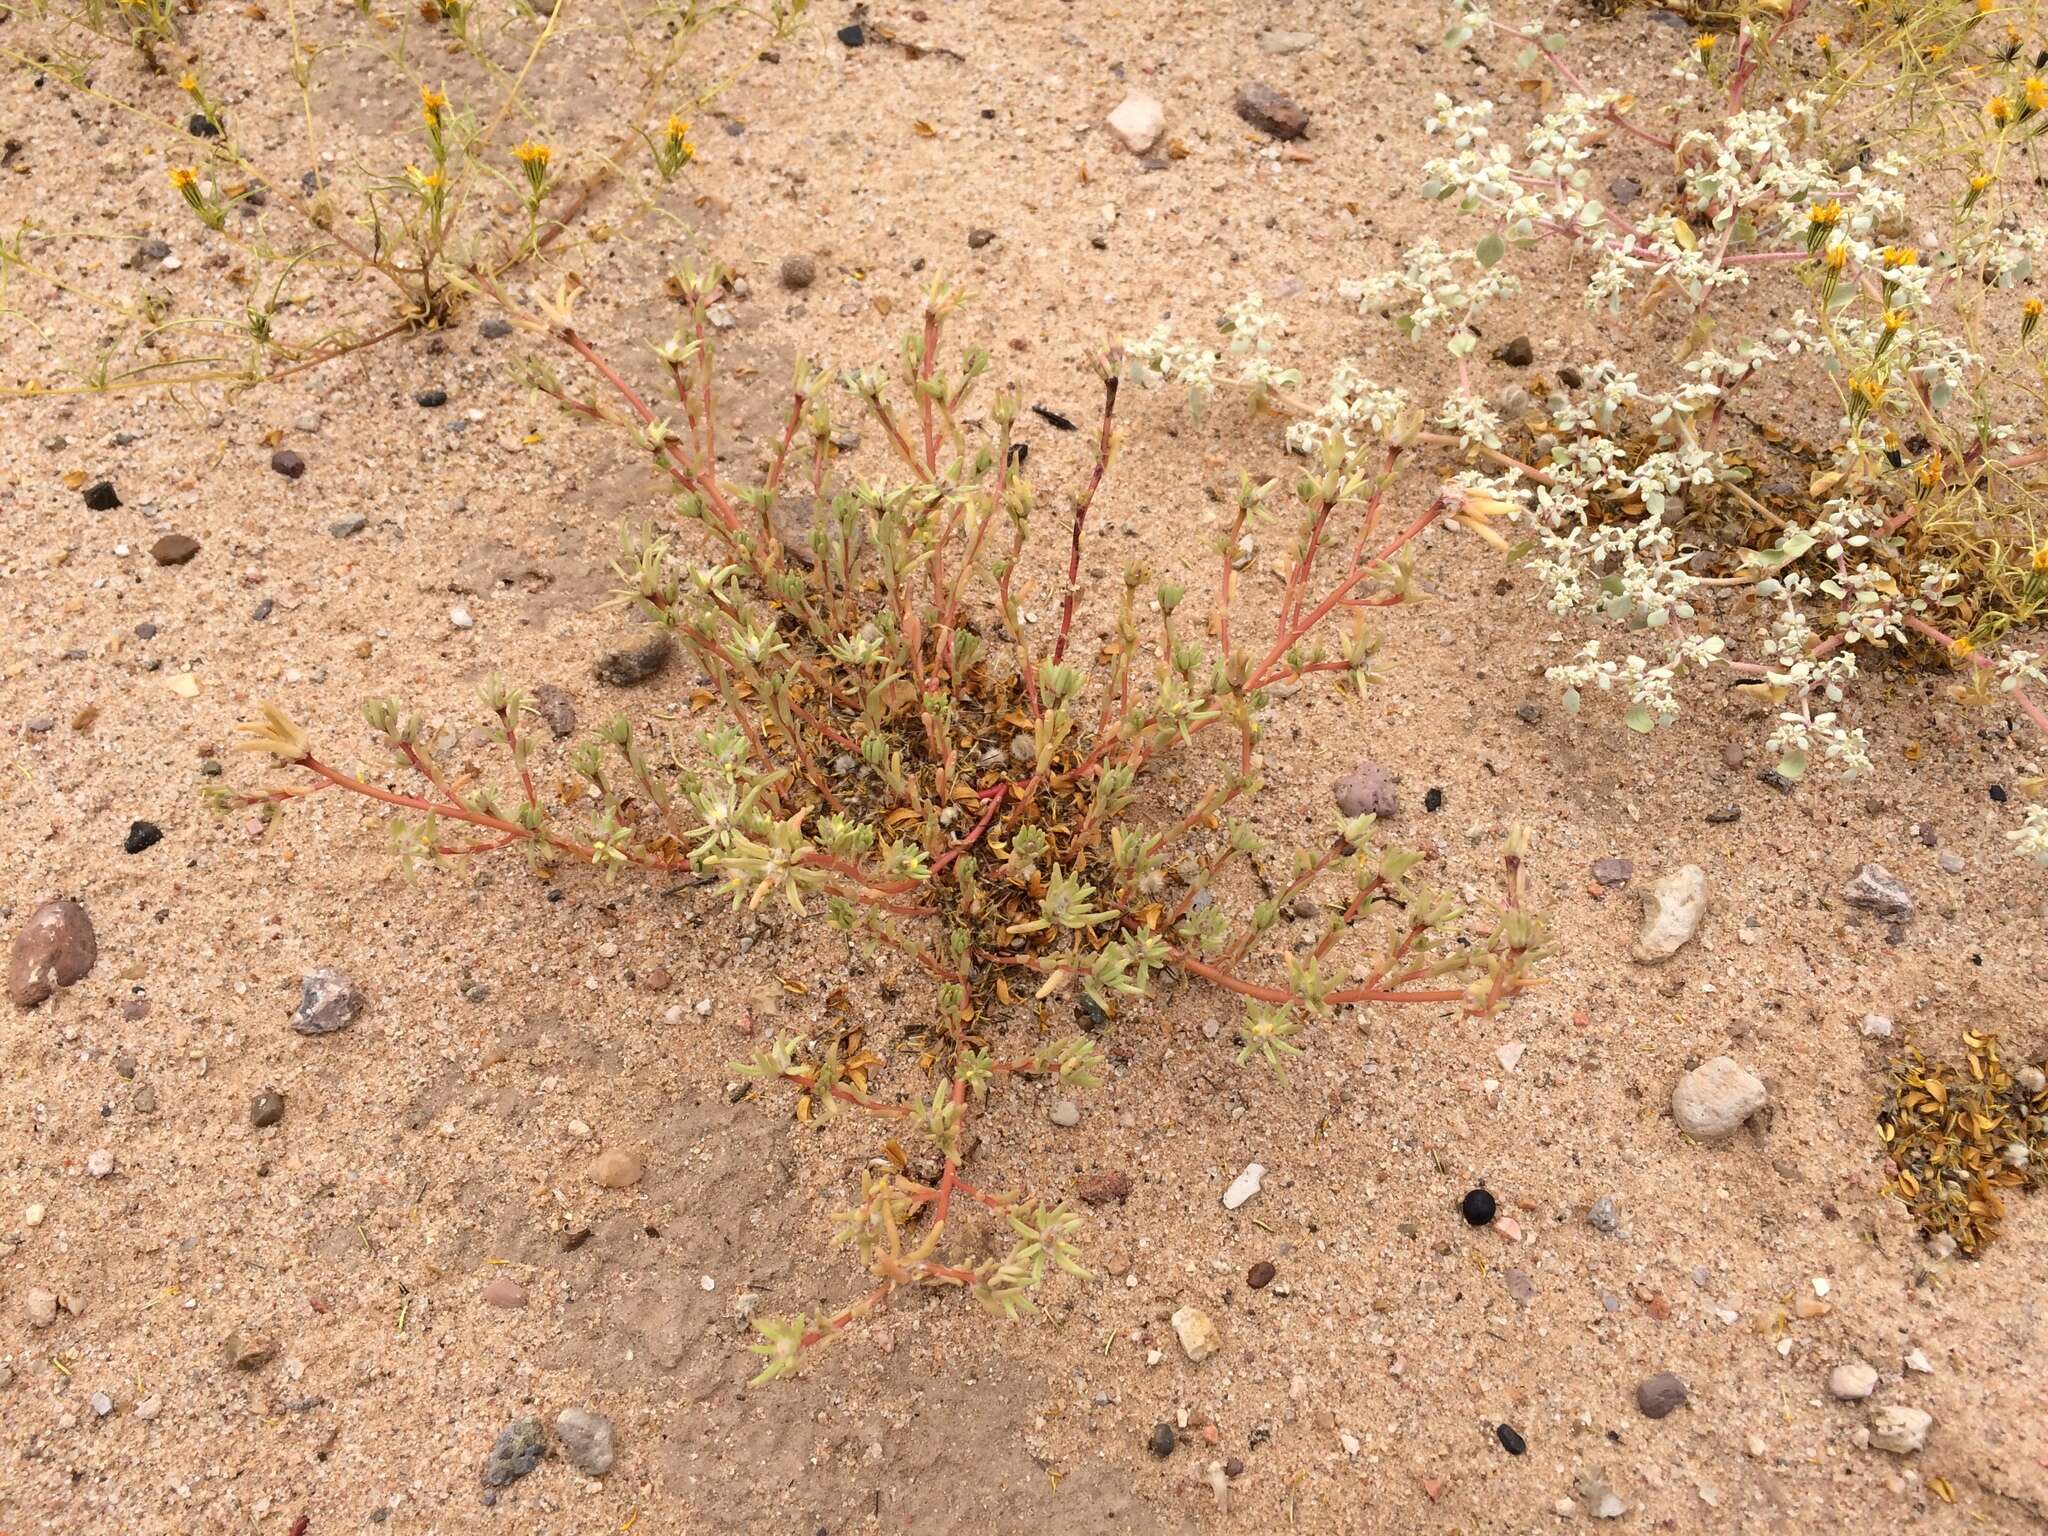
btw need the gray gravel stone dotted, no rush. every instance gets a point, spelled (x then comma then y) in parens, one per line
(328, 1001)
(587, 1440)
(519, 1450)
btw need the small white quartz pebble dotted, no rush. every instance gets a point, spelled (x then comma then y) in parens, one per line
(1244, 1186)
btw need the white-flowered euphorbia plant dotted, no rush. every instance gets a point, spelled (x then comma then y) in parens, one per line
(1847, 245)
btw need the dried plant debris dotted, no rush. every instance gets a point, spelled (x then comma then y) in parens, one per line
(1959, 1137)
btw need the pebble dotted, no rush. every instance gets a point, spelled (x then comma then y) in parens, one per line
(250, 1351)
(1283, 43)
(431, 399)
(1529, 714)
(1102, 1188)
(1876, 1026)
(149, 1408)
(1852, 1381)
(635, 662)
(1673, 905)
(1725, 816)
(1516, 353)
(1197, 1334)
(32, 1216)
(1603, 1217)
(1950, 861)
(1244, 1186)
(287, 463)
(495, 328)
(308, 422)
(461, 617)
(328, 1001)
(1711, 1102)
(1875, 889)
(174, 549)
(1902, 1431)
(100, 496)
(39, 725)
(1161, 1443)
(1613, 871)
(799, 270)
(554, 706)
(1261, 1275)
(1065, 1112)
(142, 836)
(1623, 190)
(979, 239)
(588, 1439)
(1601, 1501)
(266, 1109)
(1270, 111)
(519, 1448)
(1367, 790)
(348, 527)
(41, 1306)
(1916, 1360)
(1477, 1207)
(1138, 121)
(1658, 1395)
(616, 1170)
(55, 948)
(1510, 1439)
(101, 1404)
(504, 1291)
(100, 1163)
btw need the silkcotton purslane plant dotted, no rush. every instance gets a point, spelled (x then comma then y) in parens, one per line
(905, 753)
(1916, 527)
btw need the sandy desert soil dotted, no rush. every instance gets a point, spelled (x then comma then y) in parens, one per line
(515, 1031)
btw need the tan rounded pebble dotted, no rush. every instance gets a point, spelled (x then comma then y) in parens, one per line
(504, 1291)
(616, 1170)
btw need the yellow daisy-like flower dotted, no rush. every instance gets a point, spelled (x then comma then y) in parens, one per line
(1825, 215)
(2040, 558)
(2035, 93)
(1963, 647)
(1999, 110)
(1896, 256)
(432, 105)
(1836, 257)
(1981, 180)
(189, 83)
(678, 128)
(531, 153)
(181, 177)
(1704, 43)
(1894, 318)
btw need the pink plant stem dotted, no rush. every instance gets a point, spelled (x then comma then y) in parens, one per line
(1102, 452)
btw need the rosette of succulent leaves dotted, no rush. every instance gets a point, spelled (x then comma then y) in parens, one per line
(1840, 466)
(908, 753)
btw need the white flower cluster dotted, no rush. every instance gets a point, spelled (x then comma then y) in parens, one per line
(1434, 287)
(1355, 408)
(1252, 329)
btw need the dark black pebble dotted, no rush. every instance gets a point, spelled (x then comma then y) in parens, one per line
(1477, 1207)
(1998, 793)
(1433, 801)
(977, 238)
(431, 398)
(855, 36)
(1052, 418)
(263, 610)
(1510, 1441)
(287, 463)
(100, 497)
(1518, 353)
(1091, 1013)
(1162, 1442)
(1726, 814)
(200, 126)
(266, 1109)
(494, 328)
(142, 835)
